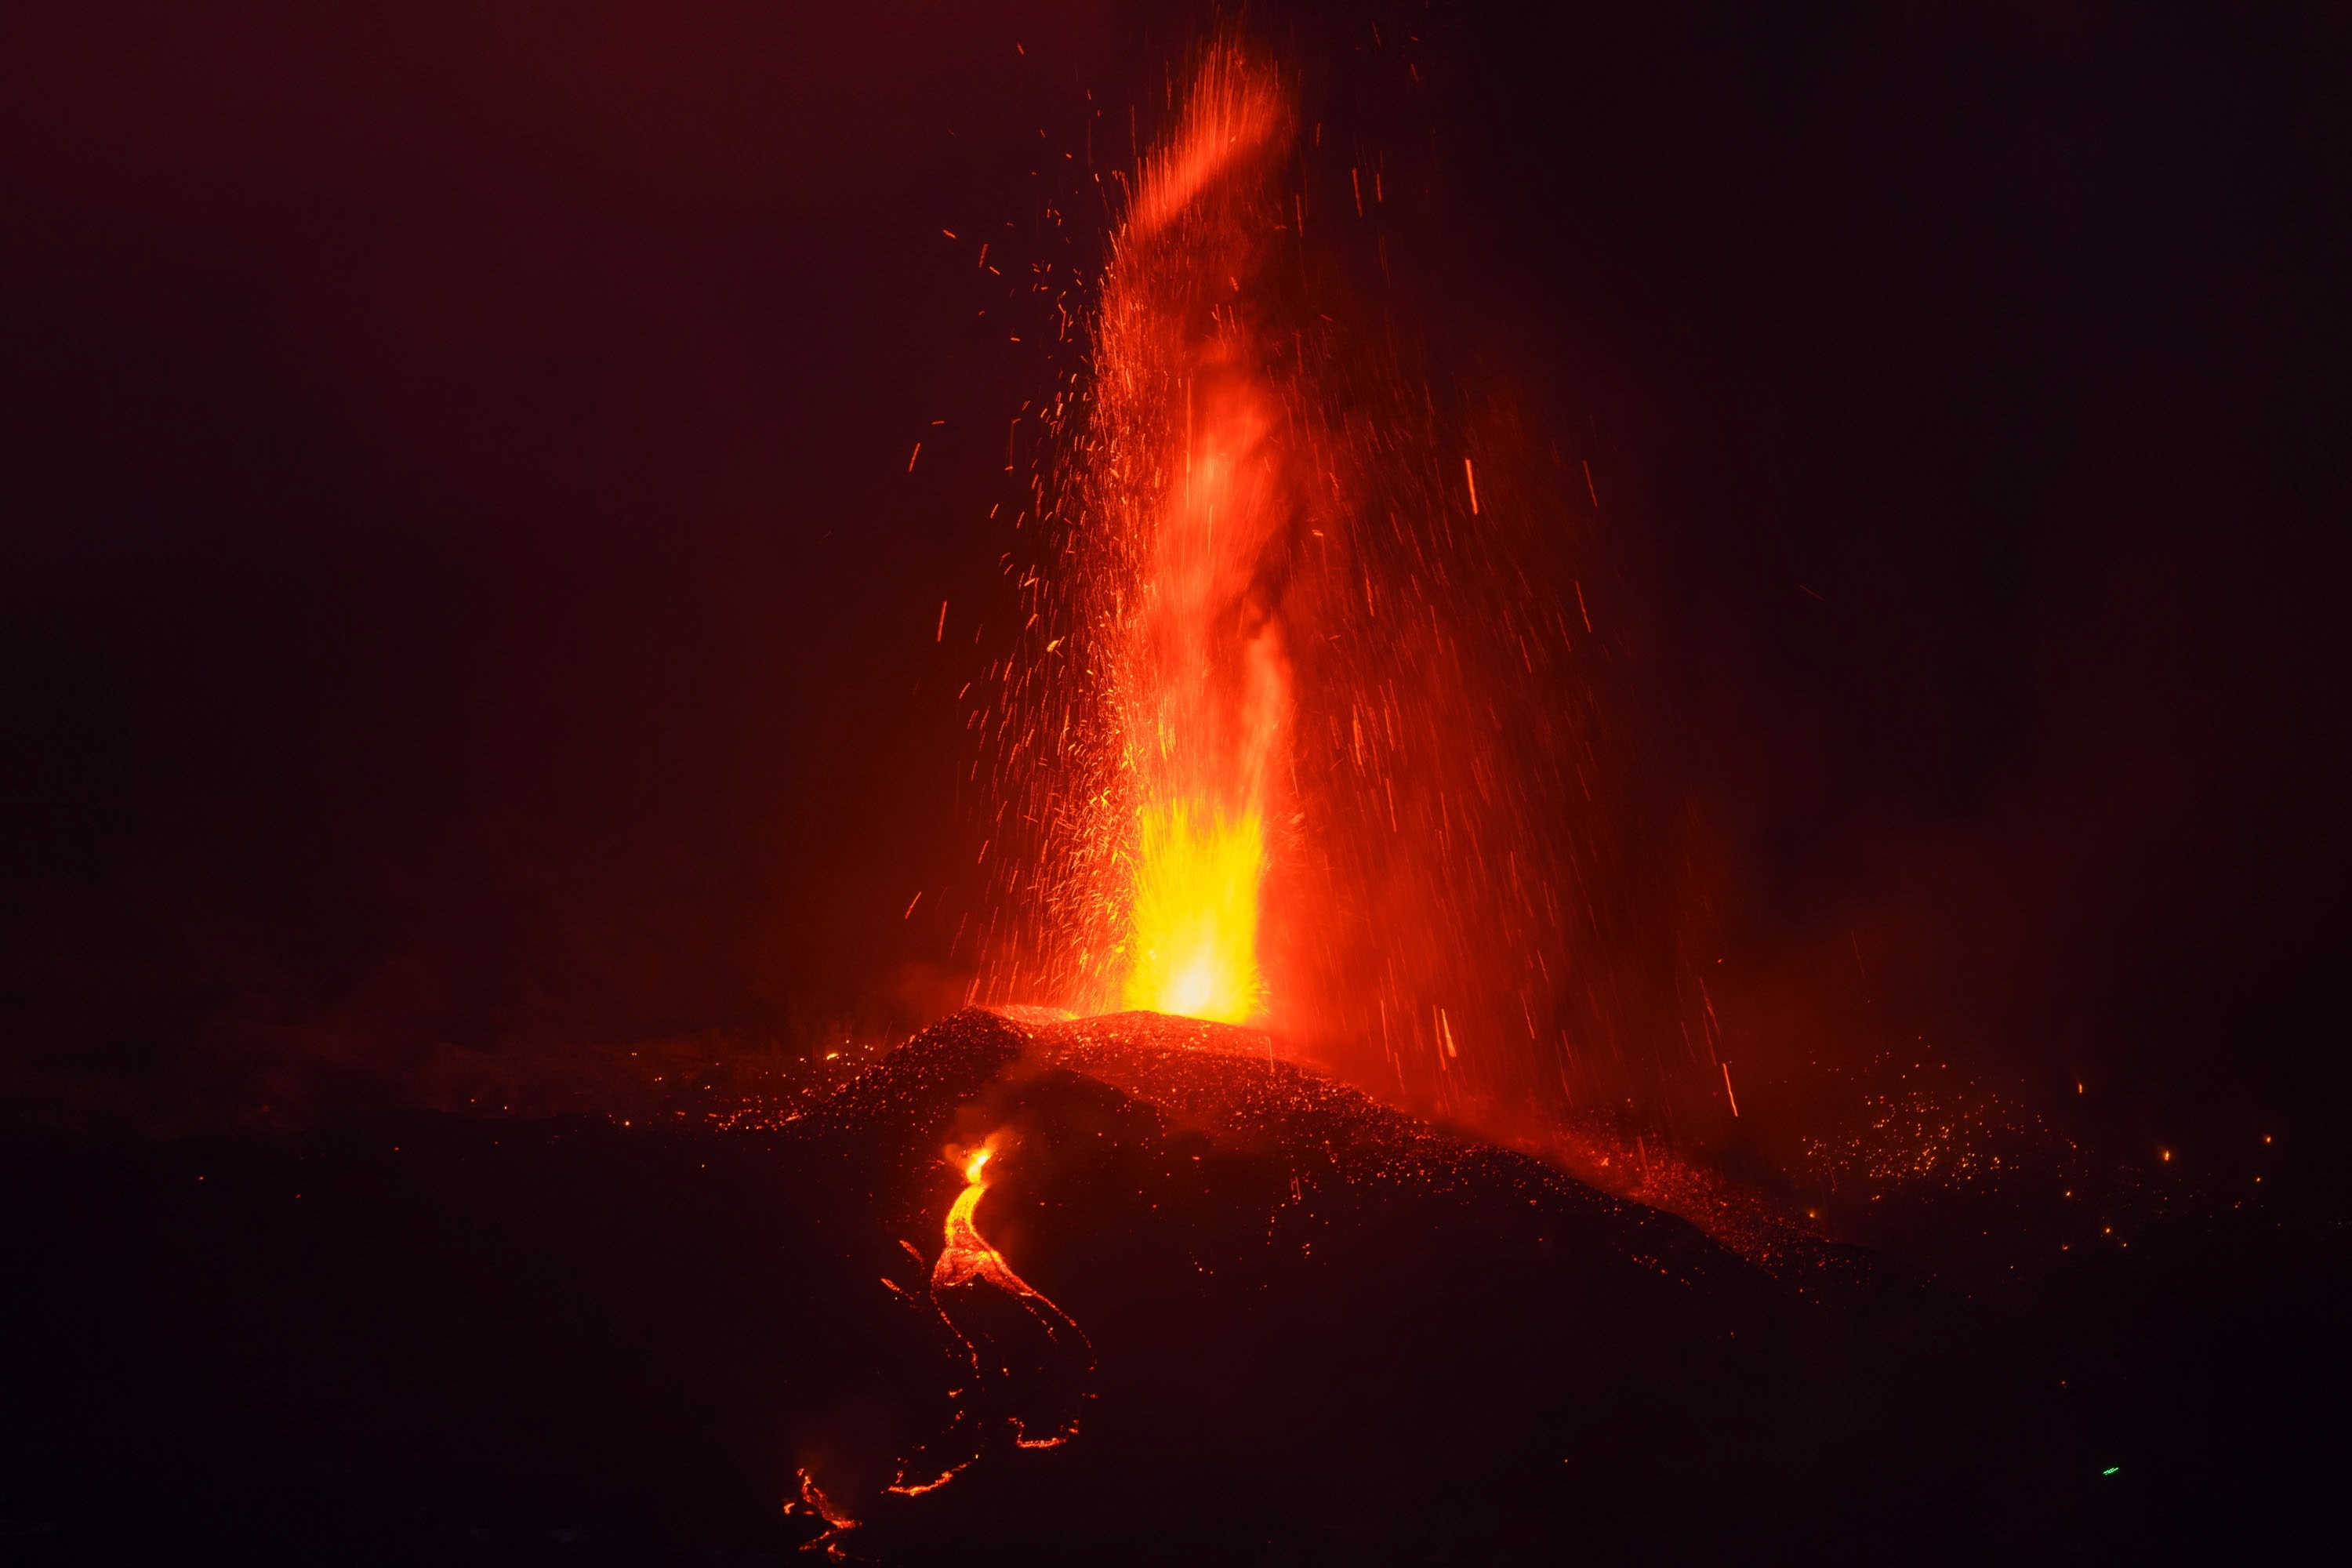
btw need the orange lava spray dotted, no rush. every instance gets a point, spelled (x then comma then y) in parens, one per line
(1186, 487)
(1317, 719)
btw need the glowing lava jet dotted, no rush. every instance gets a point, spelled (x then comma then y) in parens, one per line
(1186, 490)
(1308, 728)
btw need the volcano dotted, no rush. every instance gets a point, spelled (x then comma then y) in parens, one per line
(1683, 656)
(1289, 1325)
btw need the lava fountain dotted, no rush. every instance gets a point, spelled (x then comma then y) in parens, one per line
(1307, 728)
(1186, 485)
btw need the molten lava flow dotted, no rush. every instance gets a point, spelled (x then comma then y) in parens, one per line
(966, 1263)
(837, 1520)
(967, 1256)
(1024, 1366)
(1187, 493)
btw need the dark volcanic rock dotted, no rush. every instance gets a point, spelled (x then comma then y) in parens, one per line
(1319, 1330)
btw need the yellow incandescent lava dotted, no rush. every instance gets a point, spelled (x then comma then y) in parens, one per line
(1192, 945)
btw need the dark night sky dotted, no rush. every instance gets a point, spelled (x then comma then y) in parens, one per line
(463, 580)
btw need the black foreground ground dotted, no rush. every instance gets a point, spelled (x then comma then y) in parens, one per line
(1322, 1334)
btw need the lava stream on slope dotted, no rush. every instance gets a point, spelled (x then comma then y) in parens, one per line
(1400, 1329)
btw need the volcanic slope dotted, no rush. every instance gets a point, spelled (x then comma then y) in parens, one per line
(1289, 1325)
(1325, 1331)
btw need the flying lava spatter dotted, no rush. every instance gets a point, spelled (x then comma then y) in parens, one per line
(1186, 484)
(1306, 725)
